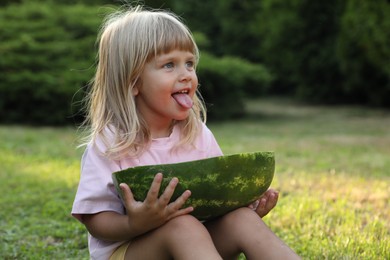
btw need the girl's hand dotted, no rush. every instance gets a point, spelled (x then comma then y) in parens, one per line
(154, 211)
(265, 203)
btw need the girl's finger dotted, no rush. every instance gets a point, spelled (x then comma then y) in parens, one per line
(168, 192)
(154, 188)
(179, 202)
(127, 195)
(175, 208)
(181, 212)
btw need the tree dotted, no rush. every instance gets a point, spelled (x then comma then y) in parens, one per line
(364, 53)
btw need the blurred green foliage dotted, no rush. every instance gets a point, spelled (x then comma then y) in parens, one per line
(47, 59)
(299, 45)
(363, 50)
(46, 56)
(225, 81)
(319, 51)
(335, 51)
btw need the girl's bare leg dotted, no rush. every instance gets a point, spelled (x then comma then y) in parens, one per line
(183, 237)
(244, 231)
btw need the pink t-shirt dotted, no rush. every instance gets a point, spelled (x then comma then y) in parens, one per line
(96, 192)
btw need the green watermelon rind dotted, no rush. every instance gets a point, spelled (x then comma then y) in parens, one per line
(218, 185)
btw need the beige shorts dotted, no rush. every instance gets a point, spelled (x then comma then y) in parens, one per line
(120, 252)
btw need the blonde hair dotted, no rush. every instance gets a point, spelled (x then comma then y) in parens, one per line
(128, 40)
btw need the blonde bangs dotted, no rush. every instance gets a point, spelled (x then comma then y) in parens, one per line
(166, 33)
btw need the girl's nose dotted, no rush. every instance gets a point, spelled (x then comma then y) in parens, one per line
(185, 74)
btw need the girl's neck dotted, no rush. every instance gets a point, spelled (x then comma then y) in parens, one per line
(161, 132)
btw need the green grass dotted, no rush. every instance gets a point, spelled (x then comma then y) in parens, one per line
(38, 177)
(333, 172)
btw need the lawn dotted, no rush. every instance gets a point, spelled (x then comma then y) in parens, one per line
(333, 174)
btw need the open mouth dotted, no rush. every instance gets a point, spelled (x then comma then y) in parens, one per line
(185, 91)
(183, 99)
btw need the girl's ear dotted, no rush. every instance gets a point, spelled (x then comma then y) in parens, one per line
(135, 91)
(136, 87)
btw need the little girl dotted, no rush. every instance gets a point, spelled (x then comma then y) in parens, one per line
(144, 109)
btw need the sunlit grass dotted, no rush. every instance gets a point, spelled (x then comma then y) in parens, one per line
(39, 173)
(332, 171)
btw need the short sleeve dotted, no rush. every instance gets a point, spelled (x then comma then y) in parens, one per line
(96, 191)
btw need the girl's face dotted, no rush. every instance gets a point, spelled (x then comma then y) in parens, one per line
(167, 87)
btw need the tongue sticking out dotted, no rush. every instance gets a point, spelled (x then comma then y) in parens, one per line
(183, 99)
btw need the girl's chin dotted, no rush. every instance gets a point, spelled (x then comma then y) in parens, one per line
(182, 116)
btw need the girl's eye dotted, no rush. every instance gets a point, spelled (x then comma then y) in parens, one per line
(189, 64)
(169, 65)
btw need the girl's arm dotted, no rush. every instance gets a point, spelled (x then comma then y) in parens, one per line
(141, 217)
(109, 226)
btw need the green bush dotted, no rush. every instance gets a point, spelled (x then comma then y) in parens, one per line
(364, 51)
(328, 51)
(225, 81)
(47, 56)
(318, 73)
(298, 45)
(47, 59)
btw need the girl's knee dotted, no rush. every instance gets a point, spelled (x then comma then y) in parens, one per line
(185, 224)
(186, 229)
(242, 215)
(242, 219)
